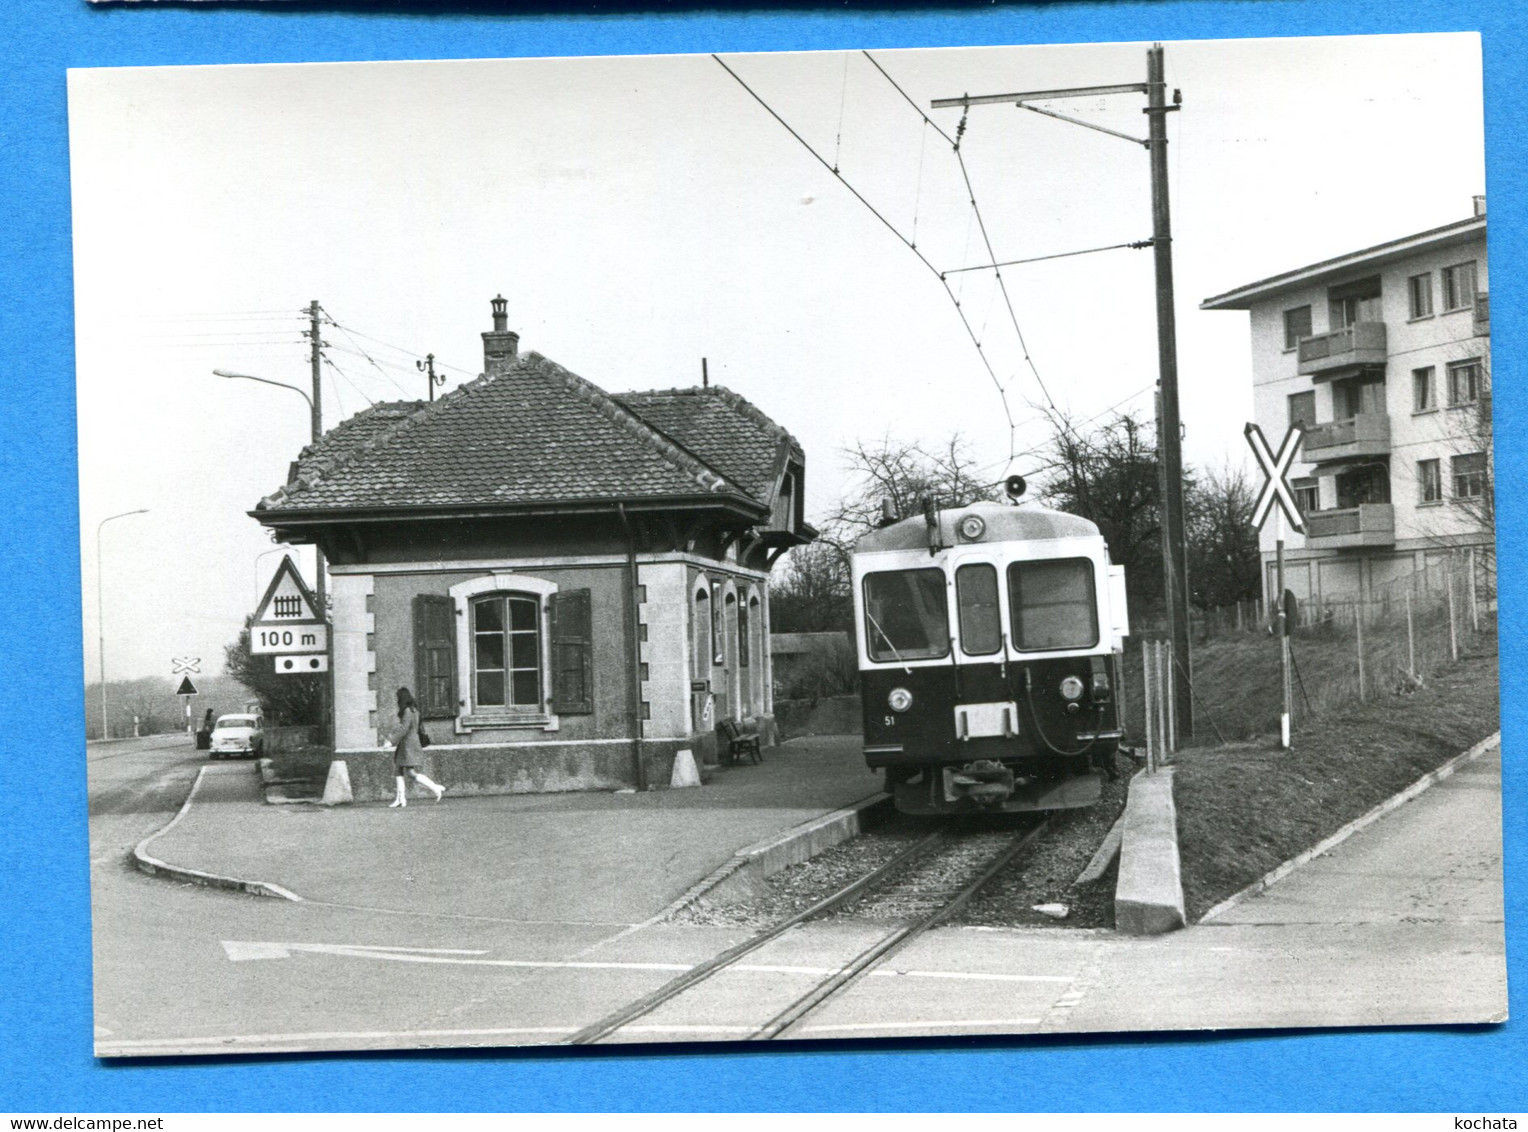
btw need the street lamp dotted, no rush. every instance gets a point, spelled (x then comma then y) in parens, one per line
(101, 612)
(268, 381)
(317, 431)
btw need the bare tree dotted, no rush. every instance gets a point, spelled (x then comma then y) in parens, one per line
(1223, 553)
(906, 474)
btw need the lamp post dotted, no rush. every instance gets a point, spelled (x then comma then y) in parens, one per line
(317, 431)
(101, 612)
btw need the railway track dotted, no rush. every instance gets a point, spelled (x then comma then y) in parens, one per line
(919, 888)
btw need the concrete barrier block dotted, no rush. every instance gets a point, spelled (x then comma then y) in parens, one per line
(1148, 899)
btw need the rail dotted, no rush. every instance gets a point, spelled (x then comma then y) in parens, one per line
(830, 984)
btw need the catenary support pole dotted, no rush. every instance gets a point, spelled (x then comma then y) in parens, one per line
(1175, 559)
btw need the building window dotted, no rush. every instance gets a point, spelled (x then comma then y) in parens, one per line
(506, 651)
(1419, 291)
(1459, 286)
(1302, 410)
(1355, 302)
(1469, 474)
(1429, 482)
(1296, 326)
(1307, 494)
(701, 626)
(717, 626)
(743, 639)
(1424, 389)
(1464, 382)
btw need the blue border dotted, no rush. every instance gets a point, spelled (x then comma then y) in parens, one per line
(45, 1009)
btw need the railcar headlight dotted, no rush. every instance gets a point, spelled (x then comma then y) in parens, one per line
(900, 699)
(972, 527)
(1071, 688)
(1100, 686)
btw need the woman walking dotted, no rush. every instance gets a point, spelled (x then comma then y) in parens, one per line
(407, 754)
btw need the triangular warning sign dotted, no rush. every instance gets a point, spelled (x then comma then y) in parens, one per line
(287, 598)
(186, 687)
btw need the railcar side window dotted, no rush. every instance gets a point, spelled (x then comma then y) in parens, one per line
(981, 630)
(906, 615)
(1054, 606)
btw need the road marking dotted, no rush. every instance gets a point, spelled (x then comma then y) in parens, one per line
(137, 1046)
(920, 1025)
(239, 951)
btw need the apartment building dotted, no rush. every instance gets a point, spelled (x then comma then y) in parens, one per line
(1382, 357)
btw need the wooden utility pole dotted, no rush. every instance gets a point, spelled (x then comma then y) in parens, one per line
(1169, 428)
(316, 365)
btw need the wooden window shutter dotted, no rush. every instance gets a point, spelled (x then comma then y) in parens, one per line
(435, 655)
(572, 653)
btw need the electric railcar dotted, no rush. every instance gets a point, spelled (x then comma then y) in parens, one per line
(990, 638)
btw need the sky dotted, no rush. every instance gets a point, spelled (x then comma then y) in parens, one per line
(639, 214)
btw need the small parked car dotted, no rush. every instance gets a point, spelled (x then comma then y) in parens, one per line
(238, 735)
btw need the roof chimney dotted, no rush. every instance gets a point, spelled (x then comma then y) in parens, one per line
(1480, 205)
(500, 345)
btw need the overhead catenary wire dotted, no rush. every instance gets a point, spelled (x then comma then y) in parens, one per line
(955, 145)
(895, 231)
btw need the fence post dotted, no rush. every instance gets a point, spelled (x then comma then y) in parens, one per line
(1150, 705)
(1453, 628)
(1358, 623)
(1411, 639)
(1474, 600)
(1171, 700)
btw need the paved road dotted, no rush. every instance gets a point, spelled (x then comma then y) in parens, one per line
(1401, 923)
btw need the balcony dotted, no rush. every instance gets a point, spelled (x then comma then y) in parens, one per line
(1368, 524)
(1367, 434)
(1362, 344)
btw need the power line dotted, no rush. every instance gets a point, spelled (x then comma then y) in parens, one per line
(411, 354)
(348, 380)
(375, 365)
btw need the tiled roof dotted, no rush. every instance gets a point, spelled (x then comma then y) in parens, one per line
(349, 435)
(723, 429)
(531, 433)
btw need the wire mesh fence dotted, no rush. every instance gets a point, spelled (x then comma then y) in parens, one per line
(1344, 651)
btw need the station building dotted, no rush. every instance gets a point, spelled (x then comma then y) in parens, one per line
(1382, 356)
(574, 584)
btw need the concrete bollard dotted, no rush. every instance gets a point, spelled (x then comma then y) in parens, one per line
(337, 786)
(685, 771)
(1148, 896)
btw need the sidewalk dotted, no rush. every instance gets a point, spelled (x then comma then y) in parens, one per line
(590, 858)
(1401, 924)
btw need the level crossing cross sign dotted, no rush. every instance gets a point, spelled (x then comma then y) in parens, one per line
(1276, 488)
(179, 664)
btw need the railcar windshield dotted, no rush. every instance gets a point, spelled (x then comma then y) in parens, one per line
(906, 615)
(1054, 605)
